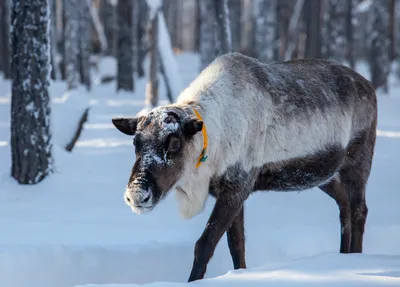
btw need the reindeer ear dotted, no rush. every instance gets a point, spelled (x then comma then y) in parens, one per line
(126, 125)
(192, 126)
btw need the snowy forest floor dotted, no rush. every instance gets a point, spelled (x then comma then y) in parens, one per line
(75, 229)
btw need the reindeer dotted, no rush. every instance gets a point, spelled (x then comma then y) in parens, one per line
(243, 126)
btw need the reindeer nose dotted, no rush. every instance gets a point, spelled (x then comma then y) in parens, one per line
(138, 198)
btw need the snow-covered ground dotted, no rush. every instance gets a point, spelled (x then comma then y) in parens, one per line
(74, 228)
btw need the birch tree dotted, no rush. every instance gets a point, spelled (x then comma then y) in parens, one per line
(31, 141)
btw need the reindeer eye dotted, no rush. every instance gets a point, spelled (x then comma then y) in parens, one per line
(174, 145)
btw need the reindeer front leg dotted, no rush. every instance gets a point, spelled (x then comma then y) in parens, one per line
(225, 210)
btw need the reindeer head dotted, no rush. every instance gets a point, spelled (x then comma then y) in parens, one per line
(162, 141)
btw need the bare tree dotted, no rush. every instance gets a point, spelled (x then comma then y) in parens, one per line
(215, 38)
(223, 26)
(313, 21)
(334, 36)
(84, 41)
(152, 84)
(5, 38)
(55, 68)
(142, 44)
(208, 50)
(31, 141)
(293, 30)
(392, 29)
(108, 16)
(71, 46)
(265, 30)
(379, 44)
(350, 55)
(235, 17)
(125, 46)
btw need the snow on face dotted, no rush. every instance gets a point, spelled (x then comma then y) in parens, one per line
(167, 122)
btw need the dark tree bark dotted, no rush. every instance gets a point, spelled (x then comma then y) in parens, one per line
(197, 26)
(392, 29)
(71, 46)
(335, 40)
(313, 18)
(125, 47)
(173, 10)
(1, 34)
(215, 39)
(5, 38)
(223, 26)
(235, 13)
(294, 28)
(379, 44)
(208, 50)
(55, 69)
(84, 42)
(152, 85)
(108, 15)
(350, 33)
(31, 141)
(141, 41)
(135, 36)
(61, 43)
(265, 30)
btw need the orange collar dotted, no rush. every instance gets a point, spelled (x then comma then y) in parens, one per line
(202, 156)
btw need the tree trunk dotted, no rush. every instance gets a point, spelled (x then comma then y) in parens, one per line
(293, 30)
(84, 42)
(379, 43)
(235, 23)
(71, 45)
(125, 50)
(31, 141)
(2, 25)
(141, 41)
(208, 50)
(135, 36)
(98, 28)
(108, 17)
(350, 34)
(265, 30)
(335, 41)
(55, 69)
(392, 29)
(5, 38)
(152, 85)
(215, 38)
(313, 18)
(223, 27)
